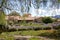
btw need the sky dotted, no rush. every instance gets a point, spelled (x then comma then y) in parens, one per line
(42, 11)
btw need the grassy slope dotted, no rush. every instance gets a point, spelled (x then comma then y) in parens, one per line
(9, 35)
(30, 32)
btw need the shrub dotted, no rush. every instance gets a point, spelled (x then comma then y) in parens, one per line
(3, 28)
(46, 34)
(57, 33)
(57, 27)
(12, 29)
(54, 34)
(47, 28)
(47, 20)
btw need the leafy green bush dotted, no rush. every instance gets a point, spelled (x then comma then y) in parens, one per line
(47, 28)
(9, 38)
(3, 28)
(2, 18)
(46, 34)
(12, 29)
(54, 34)
(47, 20)
(57, 33)
(14, 13)
(59, 1)
(57, 27)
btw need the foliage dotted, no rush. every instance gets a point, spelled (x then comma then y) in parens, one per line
(55, 20)
(46, 33)
(57, 27)
(3, 26)
(2, 3)
(34, 38)
(6, 37)
(47, 20)
(13, 29)
(54, 34)
(28, 32)
(11, 20)
(14, 13)
(38, 20)
(59, 1)
(2, 18)
(26, 15)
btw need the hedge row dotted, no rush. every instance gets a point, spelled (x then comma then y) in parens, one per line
(32, 28)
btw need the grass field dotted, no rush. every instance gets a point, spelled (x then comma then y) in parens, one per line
(10, 35)
(28, 32)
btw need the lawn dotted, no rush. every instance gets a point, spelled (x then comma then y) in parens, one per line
(28, 32)
(10, 35)
(35, 39)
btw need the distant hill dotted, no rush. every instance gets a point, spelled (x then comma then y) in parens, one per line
(56, 16)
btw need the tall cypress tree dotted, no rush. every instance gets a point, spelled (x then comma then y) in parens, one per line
(3, 4)
(2, 18)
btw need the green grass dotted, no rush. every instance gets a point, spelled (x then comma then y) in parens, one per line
(5, 37)
(10, 35)
(33, 33)
(34, 39)
(28, 32)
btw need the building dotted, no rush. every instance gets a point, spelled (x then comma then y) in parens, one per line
(26, 17)
(19, 18)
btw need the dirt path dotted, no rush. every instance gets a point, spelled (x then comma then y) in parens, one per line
(44, 38)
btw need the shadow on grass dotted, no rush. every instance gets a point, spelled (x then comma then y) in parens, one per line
(55, 35)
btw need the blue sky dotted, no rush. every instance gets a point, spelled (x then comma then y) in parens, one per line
(42, 11)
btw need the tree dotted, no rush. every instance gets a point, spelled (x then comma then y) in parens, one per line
(38, 20)
(14, 13)
(3, 26)
(47, 20)
(2, 18)
(59, 1)
(3, 4)
(11, 20)
(26, 15)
